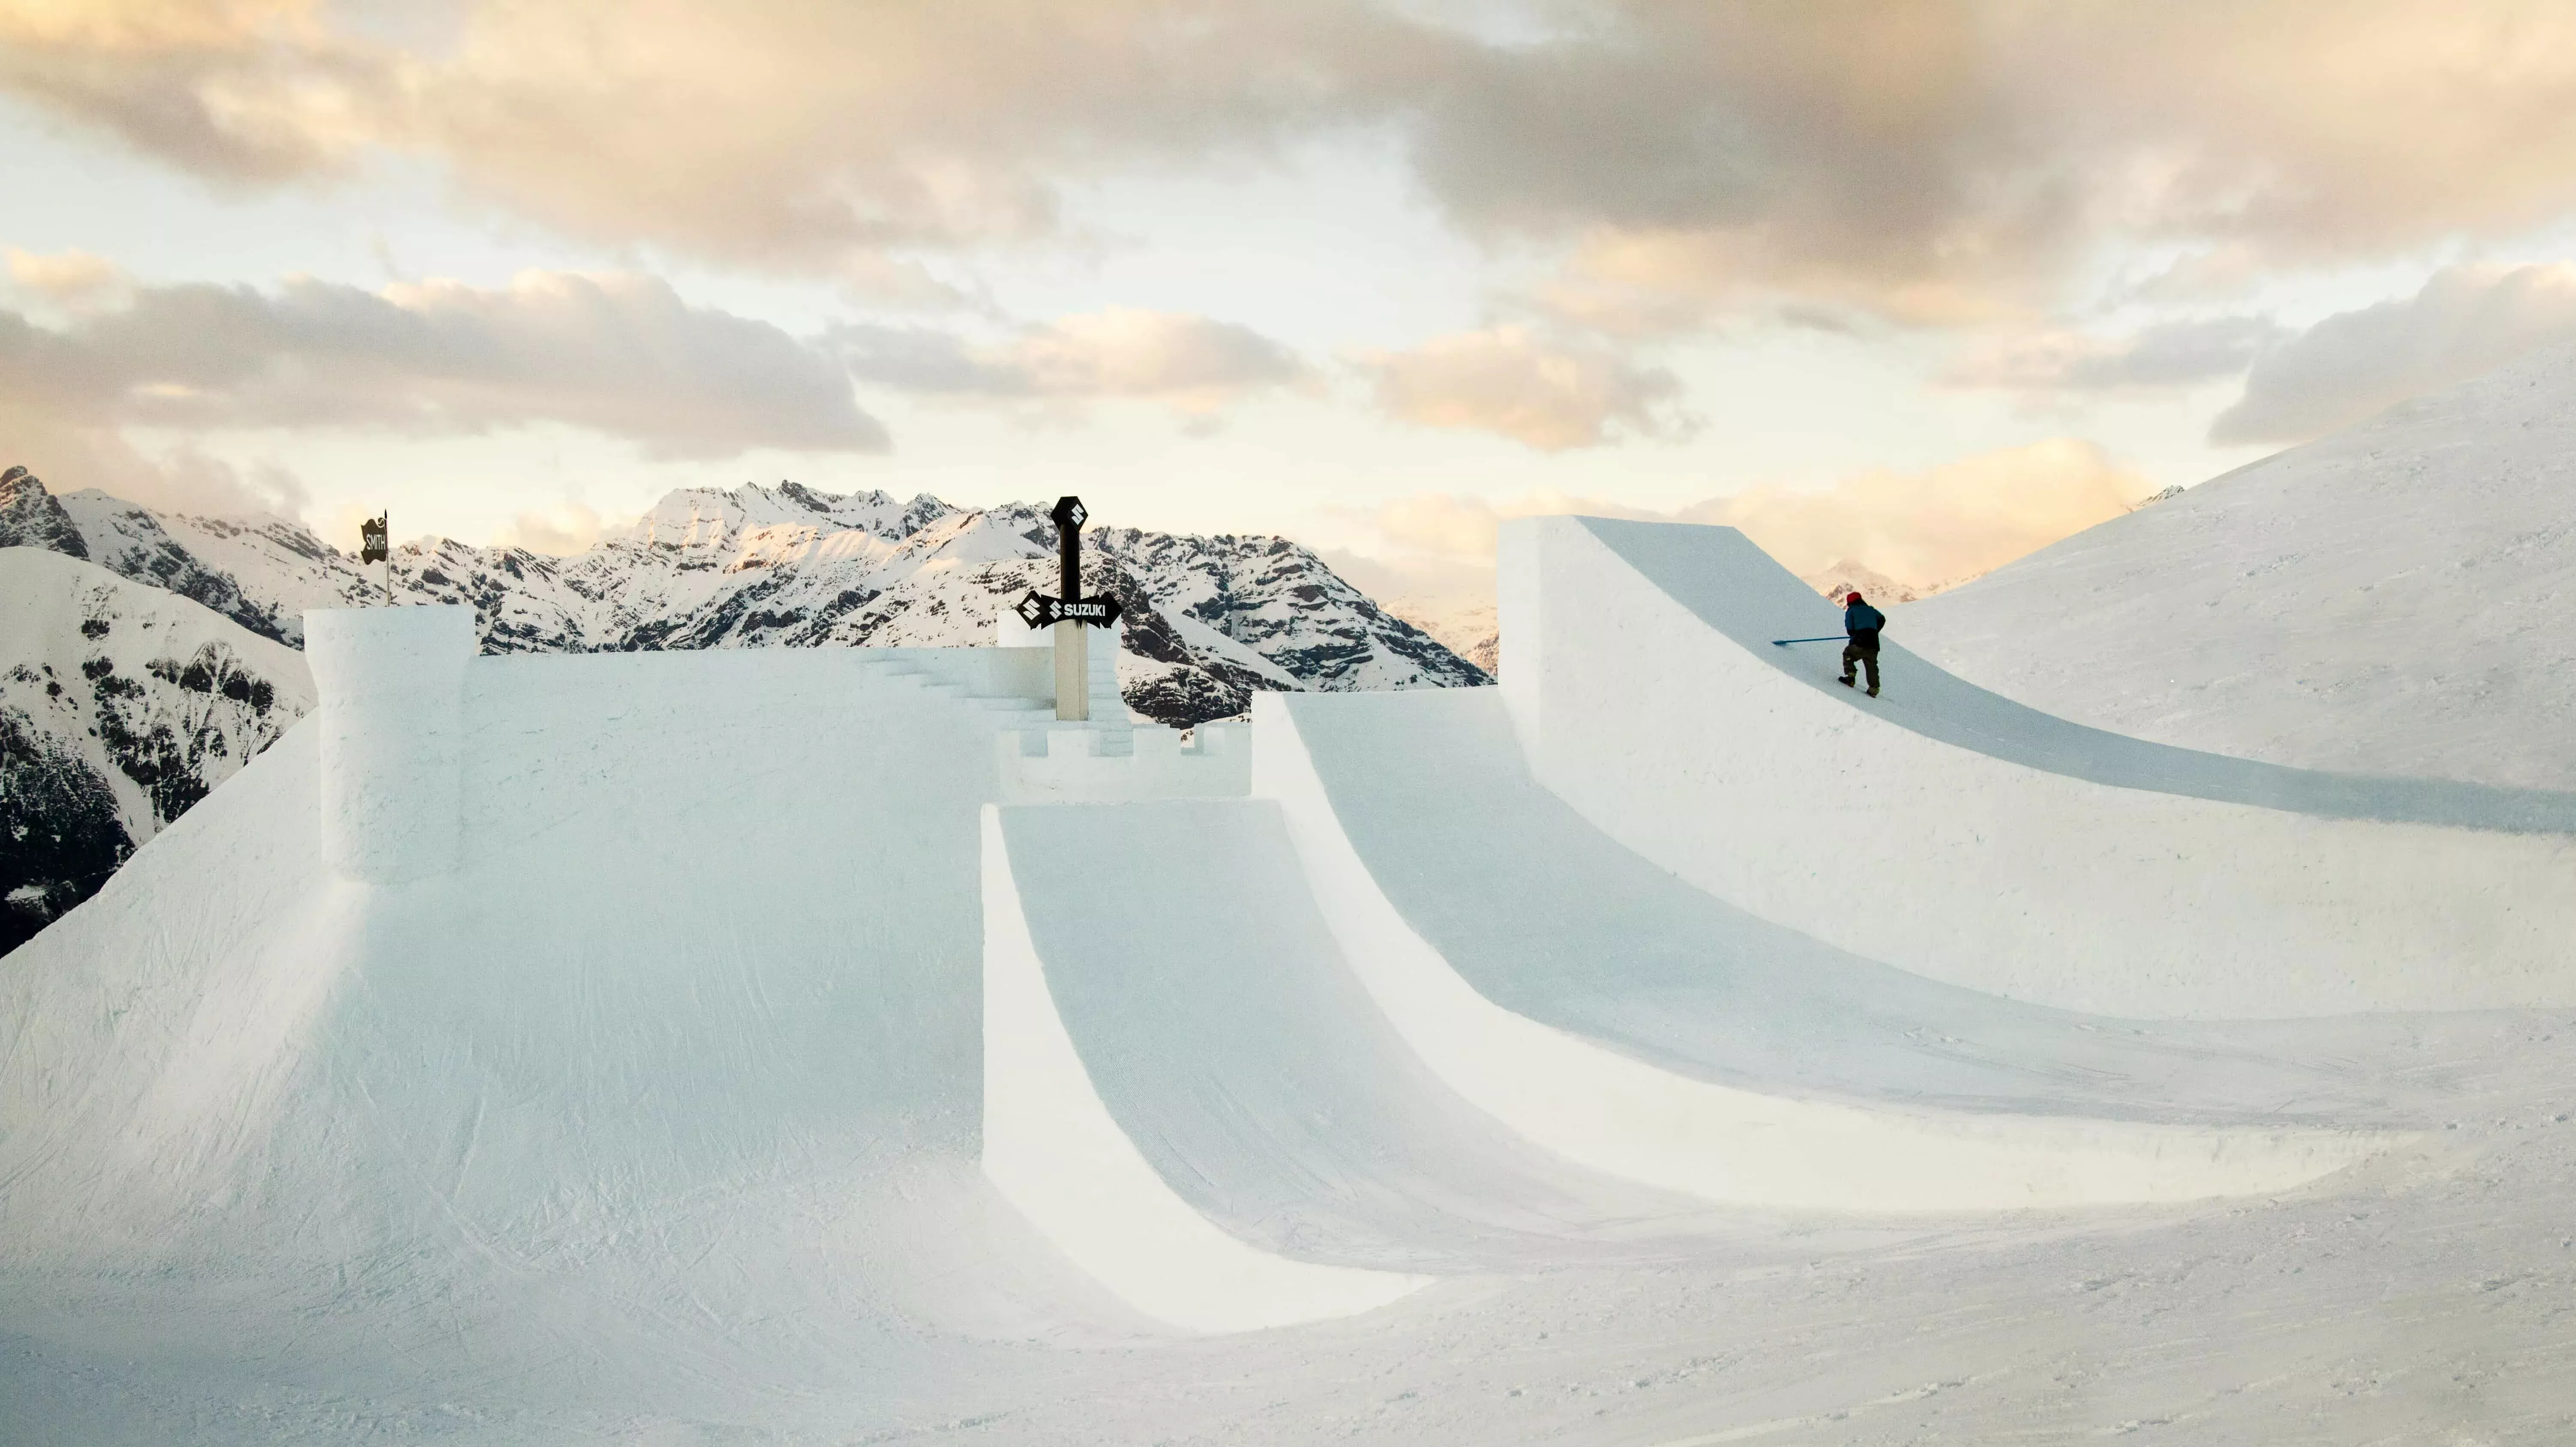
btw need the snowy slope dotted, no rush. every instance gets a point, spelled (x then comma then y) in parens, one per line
(656, 1121)
(656, 1118)
(2391, 599)
(120, 706)
(1952, 833)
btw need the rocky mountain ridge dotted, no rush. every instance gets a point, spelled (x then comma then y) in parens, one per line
(121, 705)
(1210, 620)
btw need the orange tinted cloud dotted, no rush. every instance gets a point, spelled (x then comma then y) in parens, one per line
(1928, 162)
(618, 353)
(1940, 525)
(64, 276)
(1193, 364)
(1548, 393)
(1935, 526)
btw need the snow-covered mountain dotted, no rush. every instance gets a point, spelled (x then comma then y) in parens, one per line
(1211, 620)
(1465, 624)
(120, 706)
(1847, 577)
(2394, 598)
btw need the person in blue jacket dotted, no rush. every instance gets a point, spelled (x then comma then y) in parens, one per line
(1862, 622)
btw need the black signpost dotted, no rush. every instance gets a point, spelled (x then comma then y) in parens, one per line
(1068, 613)
(375, 545)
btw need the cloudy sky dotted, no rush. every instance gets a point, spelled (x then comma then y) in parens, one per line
(1921, 284)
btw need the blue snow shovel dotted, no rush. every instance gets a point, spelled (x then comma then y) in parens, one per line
(1828, 638)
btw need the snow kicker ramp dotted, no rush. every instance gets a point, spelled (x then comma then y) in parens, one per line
(1952, 833)
(668, 1087)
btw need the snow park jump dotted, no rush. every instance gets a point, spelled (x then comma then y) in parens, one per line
(806, 1044)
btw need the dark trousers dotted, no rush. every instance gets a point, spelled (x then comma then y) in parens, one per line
(1866, 658)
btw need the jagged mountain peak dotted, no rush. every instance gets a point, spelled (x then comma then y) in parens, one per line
(31, 517)
(1212, 619)
(723, 518)
(121, 705)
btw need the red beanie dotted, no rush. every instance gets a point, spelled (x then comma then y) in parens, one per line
(1854, 598)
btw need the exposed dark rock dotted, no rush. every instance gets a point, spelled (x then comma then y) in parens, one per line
(59, 835)
(31, 517)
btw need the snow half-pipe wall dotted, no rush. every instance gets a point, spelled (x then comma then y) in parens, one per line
(1625, 1117)
(1053, 1150)
(1947, 831)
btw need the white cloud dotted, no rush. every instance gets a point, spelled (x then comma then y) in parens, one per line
(2466, 320)
(1193, 363)
(1940, 525)
(562, 530)
(242, 91)
(2167, 355)
(1931, 162)
(70, 453)
(621, 354)
(1936, 526)
(70, 277)
(1545, 392)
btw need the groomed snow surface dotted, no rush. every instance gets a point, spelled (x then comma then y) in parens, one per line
(1667, 1047)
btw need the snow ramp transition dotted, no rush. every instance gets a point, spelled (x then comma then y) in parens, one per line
(1950, 832)
(1624, 1020)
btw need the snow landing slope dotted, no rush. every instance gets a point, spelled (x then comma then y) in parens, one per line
(1953, 833)
(2393, 599)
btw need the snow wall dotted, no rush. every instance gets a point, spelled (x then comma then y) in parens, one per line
(530, 980)
(391, 687)
(1640, 1120)
(1947, 831)
(1054, 1150)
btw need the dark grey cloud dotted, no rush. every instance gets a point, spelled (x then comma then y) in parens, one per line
(1848, 122)
(620, 354)
(2464, 322)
